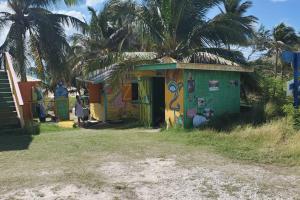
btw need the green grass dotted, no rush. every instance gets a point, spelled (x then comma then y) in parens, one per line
(52, 127)
(274, 142)
(74, 155)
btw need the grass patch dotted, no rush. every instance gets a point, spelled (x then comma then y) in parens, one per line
(274, 142)
(52, 127)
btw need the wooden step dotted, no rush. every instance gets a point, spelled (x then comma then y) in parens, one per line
(5, 94)
(4, 80)
(10, 123)
(9, 108)
(8, 114)
(3, 75)
(4, 85)
(12, 131)
(5, 89)
(6, 99)
(6, 104)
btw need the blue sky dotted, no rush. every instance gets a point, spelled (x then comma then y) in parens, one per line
(272, 12)
(269, 12)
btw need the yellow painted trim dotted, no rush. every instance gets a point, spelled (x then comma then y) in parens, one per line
(214, 67)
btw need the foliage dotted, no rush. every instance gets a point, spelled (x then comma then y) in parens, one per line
(31, 23)
(296, 119)
(181, 27)
(272, 43)
(273, 142)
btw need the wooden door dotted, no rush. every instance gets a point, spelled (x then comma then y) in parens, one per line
(145, 98)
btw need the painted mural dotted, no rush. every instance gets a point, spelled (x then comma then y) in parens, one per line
(117, 108)
(174, 98)
(200, 108)
(213, 94)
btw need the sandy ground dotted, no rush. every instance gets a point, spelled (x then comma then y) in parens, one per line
(139, 170)
(167, 178)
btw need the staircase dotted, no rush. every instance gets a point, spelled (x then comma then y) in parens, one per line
(11, 102)
(9, 121)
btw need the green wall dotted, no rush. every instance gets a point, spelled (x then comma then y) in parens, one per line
(214, 93)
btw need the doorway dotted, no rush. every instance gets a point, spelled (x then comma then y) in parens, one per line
(158, 101)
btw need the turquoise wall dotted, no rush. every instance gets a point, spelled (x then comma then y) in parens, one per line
(210, 93)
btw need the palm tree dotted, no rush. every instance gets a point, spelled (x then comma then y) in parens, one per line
(284, 37)
(110, 32)
(181, 27)
(31, 23)
(176, 28)
(235, 11)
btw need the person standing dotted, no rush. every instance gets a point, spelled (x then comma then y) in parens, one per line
(79, 110)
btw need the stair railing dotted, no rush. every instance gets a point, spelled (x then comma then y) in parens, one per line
(12, 77)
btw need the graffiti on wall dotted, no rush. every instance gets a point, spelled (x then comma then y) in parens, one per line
(175, 89)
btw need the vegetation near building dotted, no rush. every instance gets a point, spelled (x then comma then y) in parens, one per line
(172, 30)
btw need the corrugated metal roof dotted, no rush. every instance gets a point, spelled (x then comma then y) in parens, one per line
(104, 74)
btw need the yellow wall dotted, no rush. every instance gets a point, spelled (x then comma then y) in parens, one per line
(117, 108)
(96, 111)
(174, 100)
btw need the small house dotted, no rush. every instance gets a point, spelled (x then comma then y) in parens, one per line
(114, 102)
(171, 91)
(175, 92)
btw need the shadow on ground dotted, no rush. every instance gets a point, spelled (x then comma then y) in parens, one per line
(15, 142)
(116, 125)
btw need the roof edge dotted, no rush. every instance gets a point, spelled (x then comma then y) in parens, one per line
(214, 67)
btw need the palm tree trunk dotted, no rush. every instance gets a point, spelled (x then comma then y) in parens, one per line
(20, 55)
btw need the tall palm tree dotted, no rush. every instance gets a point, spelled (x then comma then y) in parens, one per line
(31, 23)
(180, 27)
(235, 11)
(110, 32)
(284, 37)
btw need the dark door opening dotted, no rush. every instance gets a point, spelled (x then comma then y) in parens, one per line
(158, 101)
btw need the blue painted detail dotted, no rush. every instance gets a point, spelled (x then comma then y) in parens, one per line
(294, 58)
(287, 56)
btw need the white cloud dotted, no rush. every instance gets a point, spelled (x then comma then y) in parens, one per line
(4, 31)
(70, 30)
(279, 1)
(94, 2)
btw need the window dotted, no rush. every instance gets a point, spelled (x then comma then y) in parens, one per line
(130, 92)
(134, 91)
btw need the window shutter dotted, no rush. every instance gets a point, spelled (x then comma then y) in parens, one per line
(127, 93)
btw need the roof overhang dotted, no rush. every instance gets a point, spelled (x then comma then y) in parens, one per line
(195, 66)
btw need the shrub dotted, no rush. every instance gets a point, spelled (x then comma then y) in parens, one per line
(296, 119)
(272, 110)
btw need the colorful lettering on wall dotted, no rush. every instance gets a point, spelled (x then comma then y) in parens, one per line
(213, 85)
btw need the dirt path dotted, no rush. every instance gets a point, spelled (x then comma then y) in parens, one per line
(168, 174)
